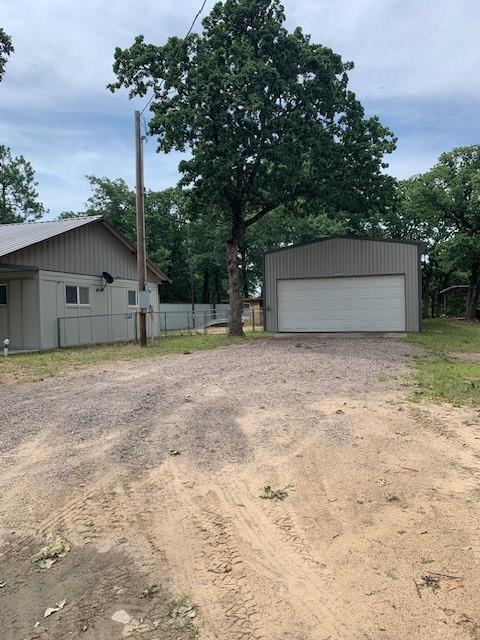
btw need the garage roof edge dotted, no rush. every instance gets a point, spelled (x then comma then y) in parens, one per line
(418, 243)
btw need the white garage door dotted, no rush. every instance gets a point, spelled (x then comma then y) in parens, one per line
(364, 303)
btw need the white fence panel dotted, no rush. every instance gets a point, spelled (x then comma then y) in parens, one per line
(180, 316)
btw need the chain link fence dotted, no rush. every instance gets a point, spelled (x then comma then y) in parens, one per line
(80, 330)
(74, 331)
(209, 321)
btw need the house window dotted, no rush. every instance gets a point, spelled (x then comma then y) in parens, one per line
(77, 295)
(84, 295)
(132, 298)
(3, 294)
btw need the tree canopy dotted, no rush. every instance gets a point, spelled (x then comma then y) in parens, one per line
(6, 50)
(442, 208)
(267, 117)
(18, 194)
(187, 251)
(19, 199)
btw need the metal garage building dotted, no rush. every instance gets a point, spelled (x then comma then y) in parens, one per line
(344, 284)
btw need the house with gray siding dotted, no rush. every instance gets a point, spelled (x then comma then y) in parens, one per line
(341, 284)
(52, 286)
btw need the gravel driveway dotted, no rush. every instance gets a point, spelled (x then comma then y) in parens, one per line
(383, 492)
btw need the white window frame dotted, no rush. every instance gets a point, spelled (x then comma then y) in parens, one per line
(78, 303)
(132, 306)
(4, 284)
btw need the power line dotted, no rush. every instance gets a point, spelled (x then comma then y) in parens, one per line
(197, 15)
(143, 295)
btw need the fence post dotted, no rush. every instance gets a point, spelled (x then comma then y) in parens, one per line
(135, 315)
(59, 334)
(188, 322)
(165, 323)
(253, 319)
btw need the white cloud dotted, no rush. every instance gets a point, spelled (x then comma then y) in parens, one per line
(401, 48)
(64, 50)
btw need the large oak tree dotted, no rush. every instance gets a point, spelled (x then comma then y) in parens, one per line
(266, 116)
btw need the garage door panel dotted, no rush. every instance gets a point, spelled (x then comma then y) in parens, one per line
(365, 303)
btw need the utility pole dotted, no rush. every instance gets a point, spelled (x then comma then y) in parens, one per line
(141, 254)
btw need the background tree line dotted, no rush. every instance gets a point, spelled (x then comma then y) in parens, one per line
(187, 248)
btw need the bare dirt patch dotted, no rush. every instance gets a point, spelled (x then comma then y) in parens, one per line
(377, 536)
(466, 357)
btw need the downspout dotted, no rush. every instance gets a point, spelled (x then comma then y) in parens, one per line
(420, 250)
(40, 323)
(264, 294)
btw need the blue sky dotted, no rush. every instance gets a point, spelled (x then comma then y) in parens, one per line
(416, 67)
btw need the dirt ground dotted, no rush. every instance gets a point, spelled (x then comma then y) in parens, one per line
(377, 539)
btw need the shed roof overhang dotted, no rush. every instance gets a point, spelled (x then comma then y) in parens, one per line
(456, 288)
(14, 267)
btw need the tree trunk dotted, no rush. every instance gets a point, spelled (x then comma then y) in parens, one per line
(217, 291)
(243, 257)
(234, 288)
(473, 298)
(206, 298)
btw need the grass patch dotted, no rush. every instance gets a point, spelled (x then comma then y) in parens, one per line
(448, 336)
(183, 611)
(32, 367)
(438, 375)
(276, 494)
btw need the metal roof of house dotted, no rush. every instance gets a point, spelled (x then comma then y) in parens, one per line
(14, 237)
(18, 236)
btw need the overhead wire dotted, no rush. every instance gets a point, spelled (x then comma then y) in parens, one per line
(190, 29)
(145, 125)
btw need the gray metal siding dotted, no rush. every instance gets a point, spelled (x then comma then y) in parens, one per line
(20, 318)
(112, 302)
(344, 257)
(88, 250)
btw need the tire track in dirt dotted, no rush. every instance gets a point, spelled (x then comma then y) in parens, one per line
(120, 513)
(287, 554)
(52, 522)
(222, 559)
(446, 429)
(293, 536)
(229, 519)
(208, 565)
